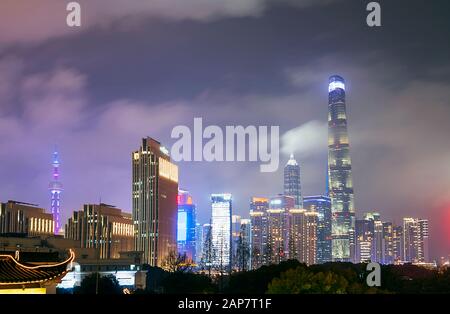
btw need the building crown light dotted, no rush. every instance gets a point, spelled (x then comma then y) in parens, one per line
(335, 85)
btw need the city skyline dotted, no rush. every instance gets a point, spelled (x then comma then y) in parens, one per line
(61, 89)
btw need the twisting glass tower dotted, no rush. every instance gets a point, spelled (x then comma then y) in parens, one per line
(55, 188)
(340, 183)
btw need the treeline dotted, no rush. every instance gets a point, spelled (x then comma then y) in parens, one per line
(289, 277)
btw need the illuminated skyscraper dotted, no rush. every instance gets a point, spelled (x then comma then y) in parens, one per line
(277, 247)
(221, 206)
(377, 237)
(388, 243)
(258, 217)
(155, 210)
(397, 244)
(292, 186)
(56, 188)
(303, 235)
(364, 238)
(423, 237)
(339, 172)
(322, 205)
(415, 240)
(187, 220)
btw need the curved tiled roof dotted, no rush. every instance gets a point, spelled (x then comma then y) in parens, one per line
(12, 272)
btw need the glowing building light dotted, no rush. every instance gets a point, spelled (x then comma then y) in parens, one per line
(335, 85)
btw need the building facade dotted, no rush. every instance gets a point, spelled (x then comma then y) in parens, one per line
(154, 198)
(221, 209)
(415, 240)
(321, 204)
(340, 172)
(103, 227)
(388, 243)
(364, 237)
(258, 221)
(303, 235)
(187, 222)
(277, 247)
(25, 218)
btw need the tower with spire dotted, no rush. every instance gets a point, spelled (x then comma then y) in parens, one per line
(292, 186)
(56, 188)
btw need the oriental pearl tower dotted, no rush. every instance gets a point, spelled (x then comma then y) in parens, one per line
(56, 188)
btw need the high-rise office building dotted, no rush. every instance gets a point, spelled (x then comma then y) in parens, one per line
(377, 236)
(277, 247)
(388, 243)
(258, 218)
(415, 240)
(423, 238)
(339, 172)
(103, 227)
(186, 230)
(292, 184)
(364, 234)
(321, 204)
(56, 189)
(397, 244)
(221, 206)
(302, 238)
(155, 210)
(25, 218)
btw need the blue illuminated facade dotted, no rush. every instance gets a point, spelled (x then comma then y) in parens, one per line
(322, 205)
(186, 225)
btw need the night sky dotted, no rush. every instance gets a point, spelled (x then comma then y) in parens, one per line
(139, 68)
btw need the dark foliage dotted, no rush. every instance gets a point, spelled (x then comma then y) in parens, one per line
(106, 285)
(257, 281)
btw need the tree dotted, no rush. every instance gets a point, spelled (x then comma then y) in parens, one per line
(256, 281)
(257, 258)
(209, 253)
(95, 283)
(175, 262)
(302, 281)
(187, 283)
(242, 253)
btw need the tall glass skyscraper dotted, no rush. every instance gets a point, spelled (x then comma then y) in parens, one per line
(221, 231)
(258, 217)
(340, 172)
(322, 205)
(292, 186)
(155, 190)
(186, 225)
